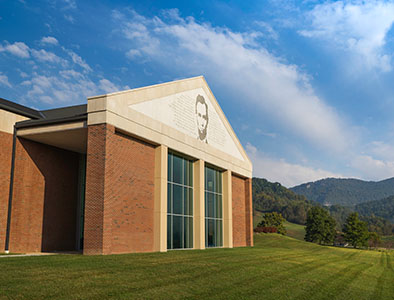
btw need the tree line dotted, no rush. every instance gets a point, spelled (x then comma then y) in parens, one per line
(273, 197)
(321, 228)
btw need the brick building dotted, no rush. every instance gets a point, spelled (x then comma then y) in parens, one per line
(148, 169)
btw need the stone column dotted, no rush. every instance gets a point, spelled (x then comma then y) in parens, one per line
(199, 204)
(227, 211)
(160, 221)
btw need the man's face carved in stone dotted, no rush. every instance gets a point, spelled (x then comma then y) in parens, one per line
(202, 116)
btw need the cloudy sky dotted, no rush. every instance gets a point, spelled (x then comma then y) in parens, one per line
(308, 86)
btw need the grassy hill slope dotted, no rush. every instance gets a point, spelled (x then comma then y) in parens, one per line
(347, 192)
(277, 267)
(293, 230)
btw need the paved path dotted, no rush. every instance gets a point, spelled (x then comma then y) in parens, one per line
(27, 254)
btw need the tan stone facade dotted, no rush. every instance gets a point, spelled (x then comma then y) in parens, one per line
(117, 202)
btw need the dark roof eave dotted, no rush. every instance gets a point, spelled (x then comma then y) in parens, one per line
(20, 109)
(42, 122)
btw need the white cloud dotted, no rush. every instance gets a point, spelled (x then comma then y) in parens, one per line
(62, 83)
(69, 18)
(372, 168)
(4, 80)
(78, 60)
(237, 62)
(269, 134)
(49, 40)
(108, 86)
(133, 53)
(61, 89)
(69, 4)
(267, 30)
(18, 49)
(46, 56)
(376, 162)
(278, 170)
(356, 26)
(382, 150)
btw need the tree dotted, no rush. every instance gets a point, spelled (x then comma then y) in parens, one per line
(273, 220)
(356, 231)
(320, 226)
(374, 240)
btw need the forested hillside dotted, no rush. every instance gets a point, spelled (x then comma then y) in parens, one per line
(346, 192)
(383, 208)
(270, 197)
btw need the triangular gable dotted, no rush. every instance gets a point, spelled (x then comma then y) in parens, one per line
(169, 114)
(195, 114)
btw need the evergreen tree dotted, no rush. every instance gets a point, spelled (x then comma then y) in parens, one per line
(356, 231)
(273, 220)
(320, 226)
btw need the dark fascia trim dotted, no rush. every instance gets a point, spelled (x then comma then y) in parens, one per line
(42, 122)
(20, 109)
(7, 235)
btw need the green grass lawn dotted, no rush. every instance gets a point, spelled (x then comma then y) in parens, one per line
(278, 267)
(295, 231)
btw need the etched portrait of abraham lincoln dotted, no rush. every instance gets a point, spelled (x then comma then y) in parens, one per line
(202, 118)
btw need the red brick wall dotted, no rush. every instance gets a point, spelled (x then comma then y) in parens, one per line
(94, 195)
(249, 211)
(44, 198)
(5, 169)
(242, 212)
(120, 187)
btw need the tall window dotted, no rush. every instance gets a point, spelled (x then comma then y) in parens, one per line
(213, 208)
(179, 202)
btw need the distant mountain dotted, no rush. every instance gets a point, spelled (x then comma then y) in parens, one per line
(273, 197)
(346, 192)
(382, 208)
(270, 197)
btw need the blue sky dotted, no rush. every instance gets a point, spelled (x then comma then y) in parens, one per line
(308, 86)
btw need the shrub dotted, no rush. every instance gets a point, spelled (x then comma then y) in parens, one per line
(273, 220)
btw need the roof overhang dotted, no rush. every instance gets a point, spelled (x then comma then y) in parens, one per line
(71, 136)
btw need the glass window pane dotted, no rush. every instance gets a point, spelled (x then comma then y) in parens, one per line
(169, 232)
(211, 233)
(218, 206)
(190, 173)
(169, 168)
(188, 232)
(185, 201)
(177, 232)
(177, 170)
(190, 191)
(177, 199)
(190, 241)
(169, 198)
(184, 170)
(206, 232)
(210, 205)
(209, 180)
(218, 182)
(218, 240)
